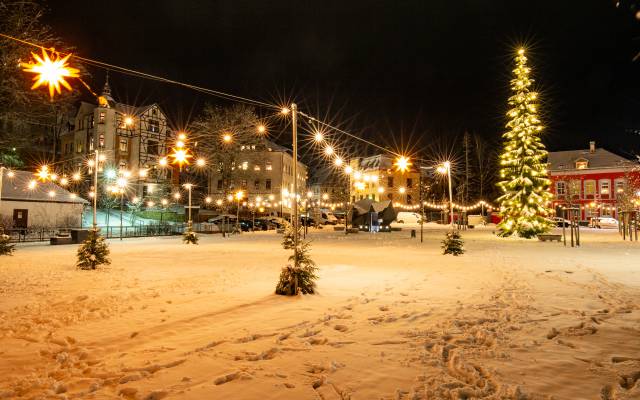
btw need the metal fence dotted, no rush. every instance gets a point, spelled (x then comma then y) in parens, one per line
(44, 234)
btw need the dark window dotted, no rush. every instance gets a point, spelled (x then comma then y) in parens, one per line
(268, 184)
(390, 181)
(102, 116)
(409, 182)
(219, 184)
(152, 147)
(243, 184)
(154, 126)
(408, 199)
(256, 184)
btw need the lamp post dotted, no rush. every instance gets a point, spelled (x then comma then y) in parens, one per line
(188, 186)
(446, 168)
(239, 195)
(294, 128)
(95, 191)
(121, 185)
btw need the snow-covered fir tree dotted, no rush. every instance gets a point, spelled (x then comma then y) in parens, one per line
(523, 170)
(453, 244)
(93, 252)
(6, 248)
(298, 277)
(189, 236)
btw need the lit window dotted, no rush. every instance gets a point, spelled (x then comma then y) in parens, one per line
(605, 186)
(582, 164)
(245, 165)
(561, 188)
(590, 188)
(124, 145)
(101, 117)
(268, 166)
(153, 125)
(256, 167)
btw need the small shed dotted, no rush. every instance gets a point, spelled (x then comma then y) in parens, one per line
(45, 204)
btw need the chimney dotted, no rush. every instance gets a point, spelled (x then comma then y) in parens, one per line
(592, 146)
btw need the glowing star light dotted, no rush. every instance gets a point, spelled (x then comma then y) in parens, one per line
(402, 164)
(51, 71)
(180, 156)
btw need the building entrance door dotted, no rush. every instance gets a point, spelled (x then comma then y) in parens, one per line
(20, 218)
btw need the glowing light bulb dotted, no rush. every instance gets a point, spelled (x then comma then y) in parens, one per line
(318, 137)
(262, 129)
(338, 161)
(200, 162)
(328, 150)
(227, 138)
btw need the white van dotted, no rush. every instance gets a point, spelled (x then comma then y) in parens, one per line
(408, 218)
(326, 217)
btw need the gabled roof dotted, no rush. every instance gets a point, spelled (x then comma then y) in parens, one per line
(376, 162)
(599, 159)
(17, 188)
(132, 110)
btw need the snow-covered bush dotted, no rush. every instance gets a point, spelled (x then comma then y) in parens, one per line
(6, 248)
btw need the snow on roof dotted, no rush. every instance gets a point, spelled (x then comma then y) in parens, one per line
(599, 158)
(16, 187)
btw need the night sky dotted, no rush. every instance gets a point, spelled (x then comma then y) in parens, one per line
(393, 71)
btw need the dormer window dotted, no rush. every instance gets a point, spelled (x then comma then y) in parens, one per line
(582, 164)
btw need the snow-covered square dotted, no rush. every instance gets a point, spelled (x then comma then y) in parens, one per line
(393, 319)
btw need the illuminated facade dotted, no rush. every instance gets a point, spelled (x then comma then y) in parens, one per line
(132, 138)
(377, 178)
(592, 179)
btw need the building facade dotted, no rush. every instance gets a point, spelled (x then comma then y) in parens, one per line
(132, 138)
(265, 174)
(44, 205)
(594, 179)
(377, 179)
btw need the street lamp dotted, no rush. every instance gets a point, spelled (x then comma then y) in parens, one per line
(189, 186)
(121, 184)
(239, 195)
(446, 168)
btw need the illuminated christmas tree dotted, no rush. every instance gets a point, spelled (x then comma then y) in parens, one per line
(525, 184)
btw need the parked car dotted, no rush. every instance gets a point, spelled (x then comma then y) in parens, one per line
(262, 225)
(308, 221)
(561, 222)
(245, 225)
(604, 223)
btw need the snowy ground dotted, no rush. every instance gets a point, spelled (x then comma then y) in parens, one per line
(394, 319)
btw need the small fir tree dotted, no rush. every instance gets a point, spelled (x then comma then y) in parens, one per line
(189, 236)
(6, 248)
(300, 276)
(93, 252)
(288, 239)
(525, 185)
(453, 244)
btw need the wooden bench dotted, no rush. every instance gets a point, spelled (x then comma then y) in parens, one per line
(544, 238)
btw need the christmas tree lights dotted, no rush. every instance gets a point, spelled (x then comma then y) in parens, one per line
(525, 185)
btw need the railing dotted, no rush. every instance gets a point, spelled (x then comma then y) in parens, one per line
(44, 234)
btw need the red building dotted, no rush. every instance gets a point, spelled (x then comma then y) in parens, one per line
(593, 179)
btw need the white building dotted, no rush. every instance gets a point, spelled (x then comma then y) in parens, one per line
(132, 138)
(43, 205)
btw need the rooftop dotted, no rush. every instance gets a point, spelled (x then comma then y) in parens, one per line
(16, 187)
